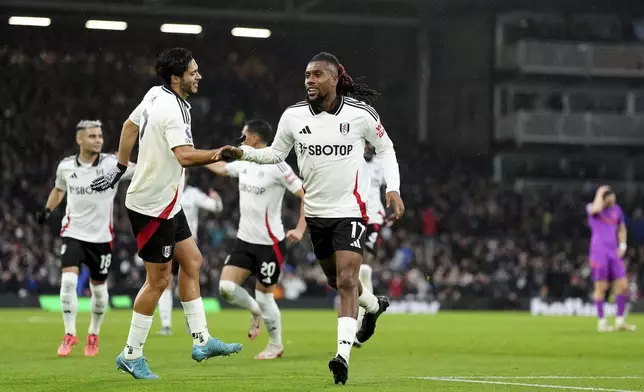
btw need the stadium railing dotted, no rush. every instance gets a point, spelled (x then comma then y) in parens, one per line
(574, 58)
(572, 128)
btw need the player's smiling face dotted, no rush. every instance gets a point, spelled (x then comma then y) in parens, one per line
(190, 79)
(90, 140)
(320, 78)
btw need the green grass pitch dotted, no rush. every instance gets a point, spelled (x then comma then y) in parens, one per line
(451, 351)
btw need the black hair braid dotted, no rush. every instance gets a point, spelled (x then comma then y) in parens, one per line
(346, 85)
(350, 88)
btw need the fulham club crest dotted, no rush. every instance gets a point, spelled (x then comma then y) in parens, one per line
(344, 128)
(166, 251)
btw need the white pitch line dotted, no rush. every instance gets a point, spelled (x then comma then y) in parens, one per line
(521, 384)
(543, 377)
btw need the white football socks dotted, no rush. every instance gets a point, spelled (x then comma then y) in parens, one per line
(139, 329)
(365, 277)
(237, 295)
(196, 316)
(271, 315)
(69, 301)
(165, 308)
(99, 301)
(347, 328)
(368, 301)
(367, 284)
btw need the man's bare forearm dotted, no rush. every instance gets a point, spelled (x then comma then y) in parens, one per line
(55, 198)
(193, 157)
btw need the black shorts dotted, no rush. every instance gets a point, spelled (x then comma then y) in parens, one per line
(373, 238)
(156, 237)
(97, 257)
(330, 235)
(263, 261)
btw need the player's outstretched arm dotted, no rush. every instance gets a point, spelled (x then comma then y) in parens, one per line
(275, 153)
(189, 156)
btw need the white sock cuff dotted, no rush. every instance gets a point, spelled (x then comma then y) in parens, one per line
(141, 320)
(192, 307)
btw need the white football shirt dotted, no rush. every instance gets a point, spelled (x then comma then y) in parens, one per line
(261, 191)
(192, 200)
(375, 207)
(329, 149)
(164, 122)
(88, 215)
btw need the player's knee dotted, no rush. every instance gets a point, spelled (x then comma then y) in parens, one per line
(191, 267)
(226, 288)
(347, 281)
(68, 282)
(159, 282)
(621, 287)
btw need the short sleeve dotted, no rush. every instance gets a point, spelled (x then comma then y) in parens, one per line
(136, 114)
(375, 131)
(177, 132)
(376, 135)
(234, 168)
(288, 178)
(60, 182)
(139, 112)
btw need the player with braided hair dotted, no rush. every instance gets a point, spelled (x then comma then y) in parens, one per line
(328, 131)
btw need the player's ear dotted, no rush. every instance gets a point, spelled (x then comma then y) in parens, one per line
(79, 137)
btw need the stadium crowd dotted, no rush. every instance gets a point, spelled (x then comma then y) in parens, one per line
(463, 235)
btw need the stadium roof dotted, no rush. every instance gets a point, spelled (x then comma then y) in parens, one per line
(372, 12)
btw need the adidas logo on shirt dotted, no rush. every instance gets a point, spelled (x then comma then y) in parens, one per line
(305, 131)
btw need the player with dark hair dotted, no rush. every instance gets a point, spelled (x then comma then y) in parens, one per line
(86, 231)
(329, 131)
(261, 241)
(162, 123)
(606, 221)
